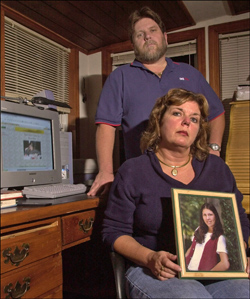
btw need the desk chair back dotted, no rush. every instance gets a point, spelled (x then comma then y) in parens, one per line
(118, 264)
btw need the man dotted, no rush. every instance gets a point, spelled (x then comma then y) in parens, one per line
(130, 92)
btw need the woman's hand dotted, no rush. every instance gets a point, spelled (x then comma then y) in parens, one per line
(162, 264)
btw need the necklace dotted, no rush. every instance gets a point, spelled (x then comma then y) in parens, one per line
(175, 171)
(160, 73)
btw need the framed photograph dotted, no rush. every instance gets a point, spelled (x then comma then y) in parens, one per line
(208, 235)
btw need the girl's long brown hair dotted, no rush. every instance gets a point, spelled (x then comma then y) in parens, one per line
(203, 229)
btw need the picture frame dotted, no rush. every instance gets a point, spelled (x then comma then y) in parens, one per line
(187, 206)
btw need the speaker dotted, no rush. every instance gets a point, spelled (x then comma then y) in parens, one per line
(66, 157)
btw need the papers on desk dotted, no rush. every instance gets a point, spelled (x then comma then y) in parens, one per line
(243, 93)
(9, 198)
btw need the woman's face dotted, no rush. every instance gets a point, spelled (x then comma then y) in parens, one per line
(180, 125)
(209, 219)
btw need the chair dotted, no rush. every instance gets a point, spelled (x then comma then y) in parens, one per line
(118, 264)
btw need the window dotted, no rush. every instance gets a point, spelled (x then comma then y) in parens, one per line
(234, 62)
(34, 63)
(179, 52)
(214, 56)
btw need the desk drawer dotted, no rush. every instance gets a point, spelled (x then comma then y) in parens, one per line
(33, 280)
(77, 226)
(29, 243)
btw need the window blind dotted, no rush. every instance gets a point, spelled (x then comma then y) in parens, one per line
(174, 50)
(34, 63)
(182, 49)
(234, 62)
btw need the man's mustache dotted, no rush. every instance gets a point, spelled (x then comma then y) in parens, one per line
(150, 42)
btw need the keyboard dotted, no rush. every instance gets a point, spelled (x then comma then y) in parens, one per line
(53, 190)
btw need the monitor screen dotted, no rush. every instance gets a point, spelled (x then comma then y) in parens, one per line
(30, 146)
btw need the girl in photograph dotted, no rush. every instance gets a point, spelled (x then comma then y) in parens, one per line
(208, 251)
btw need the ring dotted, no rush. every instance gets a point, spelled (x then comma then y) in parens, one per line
(162, 268)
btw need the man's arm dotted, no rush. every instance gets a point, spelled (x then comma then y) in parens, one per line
(105, 138)
(217, 126)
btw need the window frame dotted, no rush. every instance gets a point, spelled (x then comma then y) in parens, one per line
(73, 66)
(214, 58)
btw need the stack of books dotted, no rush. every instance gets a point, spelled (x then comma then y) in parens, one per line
(9, 198)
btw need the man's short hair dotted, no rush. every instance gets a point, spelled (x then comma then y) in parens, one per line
(144, 12)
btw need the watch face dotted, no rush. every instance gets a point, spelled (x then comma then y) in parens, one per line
(215, 147)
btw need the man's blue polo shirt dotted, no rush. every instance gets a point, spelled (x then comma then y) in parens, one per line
(131, 90)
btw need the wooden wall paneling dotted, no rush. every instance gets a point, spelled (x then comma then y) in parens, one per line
(77, 22)
(106, 56)
(2, 63)
(239, 6)
(23, 16)
(178, 13)
(74, 99)
(214, 58)
(110, 22)
(86, 22)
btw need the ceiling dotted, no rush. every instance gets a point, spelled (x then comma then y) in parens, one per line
(92, 25)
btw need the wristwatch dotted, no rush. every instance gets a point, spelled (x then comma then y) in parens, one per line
(215, 147)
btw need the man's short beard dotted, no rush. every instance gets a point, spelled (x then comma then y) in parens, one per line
(146, 56)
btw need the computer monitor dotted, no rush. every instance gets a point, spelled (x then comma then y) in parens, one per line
(30, 146)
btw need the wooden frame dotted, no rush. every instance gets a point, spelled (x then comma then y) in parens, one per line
(186, 210)
(214, 56)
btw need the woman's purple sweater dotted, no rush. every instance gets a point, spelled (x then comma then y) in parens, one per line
(140, 205)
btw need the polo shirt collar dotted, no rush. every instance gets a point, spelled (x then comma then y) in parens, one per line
(170, 64)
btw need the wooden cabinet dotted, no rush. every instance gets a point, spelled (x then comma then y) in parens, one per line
(33, 280)
(77, 228)
(31, 259)
(237, 152)
(32, 240)
(28, 243)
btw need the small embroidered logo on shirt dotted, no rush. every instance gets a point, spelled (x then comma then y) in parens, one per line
(183, 79)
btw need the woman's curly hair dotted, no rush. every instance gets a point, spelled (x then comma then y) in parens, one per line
(177, 96)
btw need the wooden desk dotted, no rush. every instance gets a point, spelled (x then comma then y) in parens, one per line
(32, 241)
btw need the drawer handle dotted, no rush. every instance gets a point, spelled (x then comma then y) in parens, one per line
(86, 227)
(18, 256)
(19, 289)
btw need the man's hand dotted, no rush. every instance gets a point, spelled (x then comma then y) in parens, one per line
(101, 184)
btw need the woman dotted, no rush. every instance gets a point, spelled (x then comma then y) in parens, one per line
(138, 220)
(208, 250)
